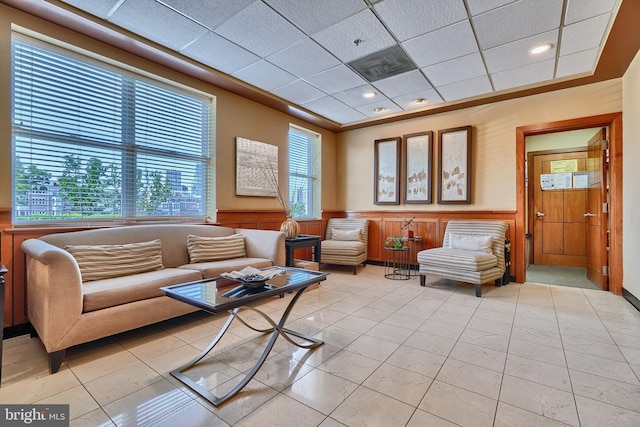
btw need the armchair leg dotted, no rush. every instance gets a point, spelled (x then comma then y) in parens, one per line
(423, 280)
(55, 360)
(478, 289)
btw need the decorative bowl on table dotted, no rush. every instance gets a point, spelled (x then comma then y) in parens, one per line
(253, 280)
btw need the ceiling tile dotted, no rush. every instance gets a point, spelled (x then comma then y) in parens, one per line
(410, 18)
(97, 8)
(583, 35)
(151, 19)
(219, 53)
(576, 63)
(260, 30)
(517, 21)
(387, 104)
(456, 70)
(355, 97)
(264, 75)
(325, 105)
(346, 116)
(579, 10)
(516, 54)
(402, 84)
(298, 92)
(304, 58)
(441, 45)
(477, 7)
(466, 88)
(312, 16)
(336, 79)
(210, 13)
(406, 102)
(522, 76)
(339, 38)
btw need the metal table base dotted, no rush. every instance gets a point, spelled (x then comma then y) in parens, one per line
(277, 330)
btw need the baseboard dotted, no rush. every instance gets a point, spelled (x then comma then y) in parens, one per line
(15, 331)
(631, 298)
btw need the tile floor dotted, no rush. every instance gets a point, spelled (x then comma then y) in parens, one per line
(396, 354)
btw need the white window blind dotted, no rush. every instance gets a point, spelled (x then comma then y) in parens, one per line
(304, 173)
(94, 142)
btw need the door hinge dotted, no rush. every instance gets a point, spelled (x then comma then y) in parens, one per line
(605, 144)
(605, 207)
(605, 270)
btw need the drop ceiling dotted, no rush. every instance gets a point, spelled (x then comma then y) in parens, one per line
(307, 53)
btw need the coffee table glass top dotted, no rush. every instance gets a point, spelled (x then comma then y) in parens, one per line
(220, 294)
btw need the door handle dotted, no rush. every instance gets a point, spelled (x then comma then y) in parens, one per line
(588, 214)
(539, 213)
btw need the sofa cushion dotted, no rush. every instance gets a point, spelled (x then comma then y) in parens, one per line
(112, 292)
(212, 269)
(457, 258)
(98, 262)
(339, 247)
(204, 249)
(346, 235)
(469, 242)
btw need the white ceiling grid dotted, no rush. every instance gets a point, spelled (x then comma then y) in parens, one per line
(299, 50)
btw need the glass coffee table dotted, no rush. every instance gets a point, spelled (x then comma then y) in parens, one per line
(220, 295)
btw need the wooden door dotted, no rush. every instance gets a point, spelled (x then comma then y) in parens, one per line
(559, 225)
(597, 211)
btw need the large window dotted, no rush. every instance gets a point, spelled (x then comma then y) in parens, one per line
(304, 173)
(95, 142)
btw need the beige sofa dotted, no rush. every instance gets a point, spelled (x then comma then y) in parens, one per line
(65, 311)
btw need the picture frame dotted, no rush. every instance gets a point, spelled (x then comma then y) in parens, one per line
(256, 168)
(417, 161)
(387, 171)
(454, 165)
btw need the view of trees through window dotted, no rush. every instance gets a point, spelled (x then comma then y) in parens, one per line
(93, 142)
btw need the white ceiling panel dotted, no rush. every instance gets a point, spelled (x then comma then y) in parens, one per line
(260, 30)
(480, 6)
(346, 116)
(465, 89)
(264, 75)
(406, 102)
(576, 63)
(298, 92)
(210, 13)
(304, 58)
(151, 19)
(455, 70)
(369, 109)
(410, 82)
(583, 35)
(355, 97)
(441, 45)
(364, 26)
(522, 76)
(300, 12)
(516, 54)
(579, 10)
(410, 18)
(516, 21)
(219, 53)
(336, 79)
(325, 105)
(97, 8)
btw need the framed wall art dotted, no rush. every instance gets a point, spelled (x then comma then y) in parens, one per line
(387, 171)
(256, 168)
(454, 165)
(417, 158)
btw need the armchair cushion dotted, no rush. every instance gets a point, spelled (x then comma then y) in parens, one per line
(471, 243)
(339, 247)
(460, 259)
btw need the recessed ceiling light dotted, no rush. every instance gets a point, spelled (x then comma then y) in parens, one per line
(419, 101)
(540, 49)
(369, 94)
(379, 109)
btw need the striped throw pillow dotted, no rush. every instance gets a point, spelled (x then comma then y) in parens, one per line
(203, 249)
(105, 261)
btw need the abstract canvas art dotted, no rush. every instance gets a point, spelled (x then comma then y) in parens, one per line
(256, 168)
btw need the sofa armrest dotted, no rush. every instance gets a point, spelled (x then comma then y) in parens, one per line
(54, 290)
(264, 244)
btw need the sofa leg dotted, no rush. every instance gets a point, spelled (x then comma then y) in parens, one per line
(55, 360)
(32, 331)
(423, 280)
(479, 290)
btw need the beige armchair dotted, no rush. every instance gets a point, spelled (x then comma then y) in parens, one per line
(346, 242)
(472, 252)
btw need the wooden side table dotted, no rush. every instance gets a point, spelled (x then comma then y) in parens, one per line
(3, 271)
(302, 241)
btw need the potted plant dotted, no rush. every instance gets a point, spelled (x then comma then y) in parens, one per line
(394, 241)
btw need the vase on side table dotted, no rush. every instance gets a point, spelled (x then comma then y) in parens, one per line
(290, 228)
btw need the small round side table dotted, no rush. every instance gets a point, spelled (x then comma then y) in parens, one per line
(396, 263)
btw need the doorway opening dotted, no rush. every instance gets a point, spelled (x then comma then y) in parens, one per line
(612, 241)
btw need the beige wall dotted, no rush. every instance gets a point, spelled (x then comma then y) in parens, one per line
(494, 152)
(236, 116)
(631, 177)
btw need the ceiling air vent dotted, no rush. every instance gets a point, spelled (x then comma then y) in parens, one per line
(382, 64)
